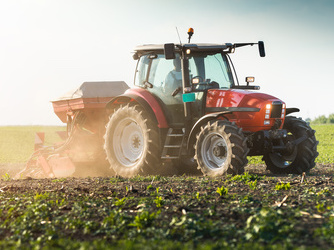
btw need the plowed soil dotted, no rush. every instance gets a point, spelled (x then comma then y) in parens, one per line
(308, 204)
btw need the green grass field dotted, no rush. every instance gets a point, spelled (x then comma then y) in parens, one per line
(17, 142)
(325, 136)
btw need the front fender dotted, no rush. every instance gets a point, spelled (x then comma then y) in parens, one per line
(291, 110)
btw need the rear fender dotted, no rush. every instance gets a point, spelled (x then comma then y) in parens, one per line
(146, 100)
(196, 128)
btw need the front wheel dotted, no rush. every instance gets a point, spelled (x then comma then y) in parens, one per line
(132, 142)
(299, 158)
(221, 148)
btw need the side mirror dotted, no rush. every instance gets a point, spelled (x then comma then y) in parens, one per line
(261, 49)
(169, 51)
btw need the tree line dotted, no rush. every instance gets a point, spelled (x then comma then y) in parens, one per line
(322, 119)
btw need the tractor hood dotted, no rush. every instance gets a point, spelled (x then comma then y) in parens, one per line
(251, 111)
(218, 98)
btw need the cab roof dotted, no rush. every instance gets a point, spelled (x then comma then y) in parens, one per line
(178, 47)
(195, 47)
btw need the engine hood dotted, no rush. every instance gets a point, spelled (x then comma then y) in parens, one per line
(252, 111)
(217, 98)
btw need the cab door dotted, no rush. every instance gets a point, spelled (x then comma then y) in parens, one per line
(163, 78)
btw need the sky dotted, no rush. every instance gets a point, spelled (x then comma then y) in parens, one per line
(48, 47)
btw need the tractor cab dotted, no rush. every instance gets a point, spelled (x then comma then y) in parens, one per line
(179, 76)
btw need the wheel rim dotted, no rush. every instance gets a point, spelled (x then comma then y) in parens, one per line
(284, 160)
(128, 142)
(214, 151)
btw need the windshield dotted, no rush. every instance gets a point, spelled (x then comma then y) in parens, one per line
(211, 68)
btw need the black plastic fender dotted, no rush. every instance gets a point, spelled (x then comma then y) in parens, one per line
(291, 110)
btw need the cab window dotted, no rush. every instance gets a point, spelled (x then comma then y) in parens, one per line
(141, 71)
(160, 68)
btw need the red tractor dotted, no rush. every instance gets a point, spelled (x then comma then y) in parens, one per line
(187, 109)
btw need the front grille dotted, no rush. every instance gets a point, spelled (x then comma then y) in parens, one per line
(276, 110)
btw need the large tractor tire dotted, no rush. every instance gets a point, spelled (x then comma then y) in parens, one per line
(299, 158)
(221, 148)
(132, 142)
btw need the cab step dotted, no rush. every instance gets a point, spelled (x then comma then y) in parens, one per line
(173, 143)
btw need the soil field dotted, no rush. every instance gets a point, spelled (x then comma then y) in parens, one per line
(255, 210)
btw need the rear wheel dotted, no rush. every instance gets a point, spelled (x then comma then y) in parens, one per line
(132, 142)
(221, 148)
(298, 158)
